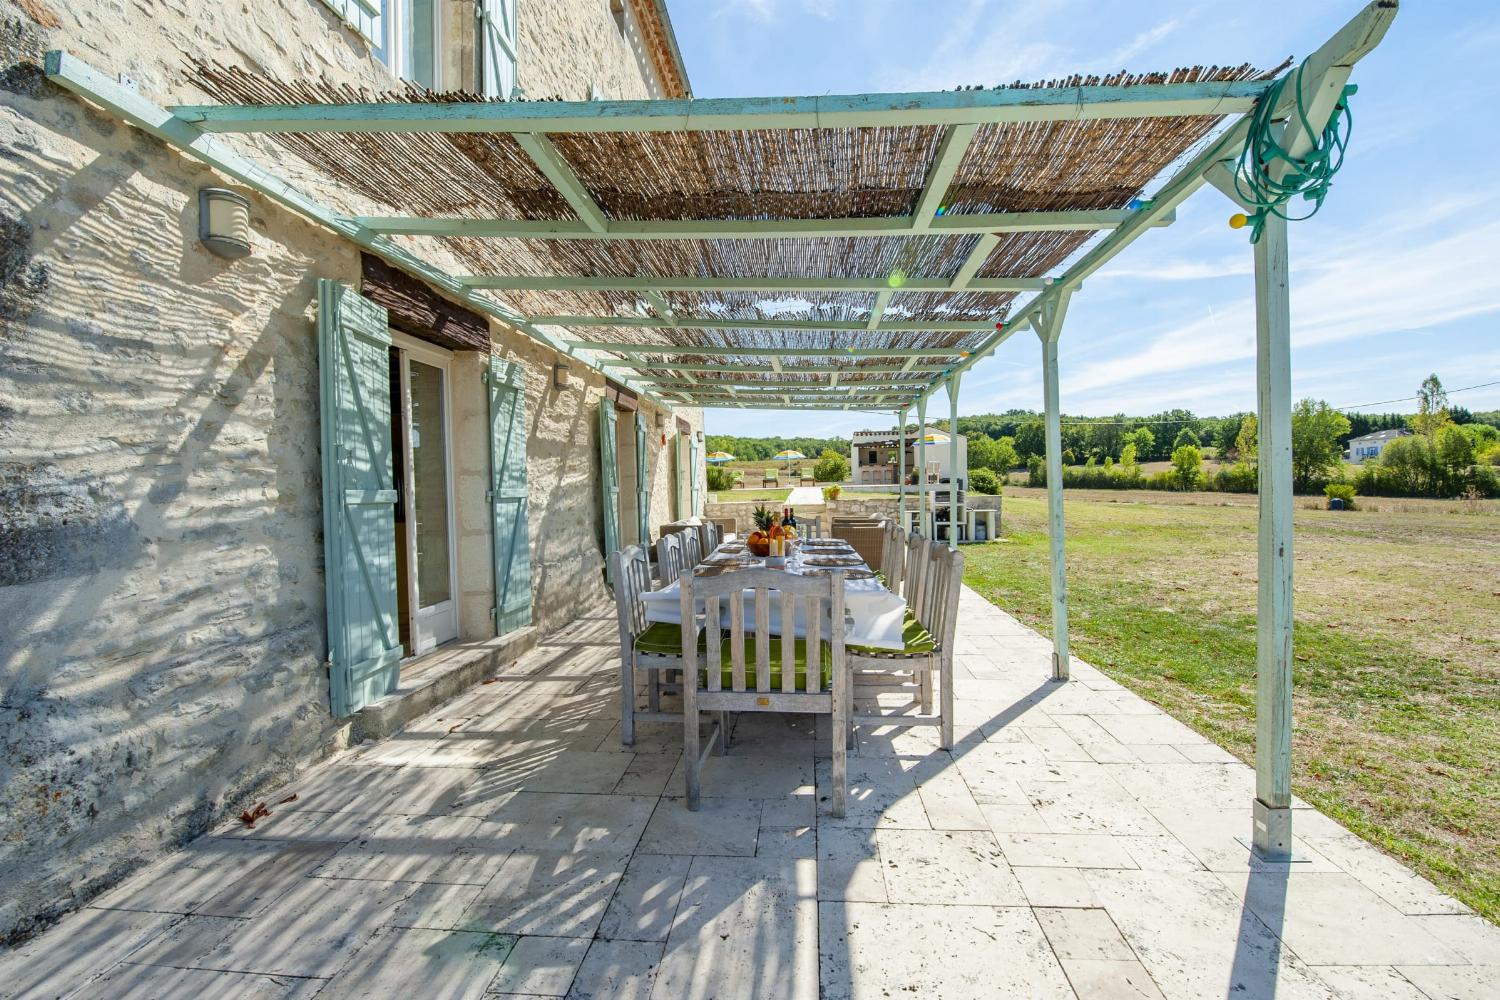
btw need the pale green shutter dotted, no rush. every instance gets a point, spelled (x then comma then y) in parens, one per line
(507, 495)
(359, 498)
(500, 44)
(642, 481)
(609, 479)
(696, 472)
(681, 468)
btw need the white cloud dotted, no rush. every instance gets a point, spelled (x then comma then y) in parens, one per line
(1142, 42)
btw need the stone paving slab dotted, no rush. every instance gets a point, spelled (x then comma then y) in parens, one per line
(1075, 841)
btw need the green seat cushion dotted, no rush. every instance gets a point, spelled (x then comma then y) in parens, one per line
(663, 639)
(915, 638)
(799, 654)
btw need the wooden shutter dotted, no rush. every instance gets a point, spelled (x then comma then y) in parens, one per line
(359, 498)
(680, 466)
(696, 450)
(509, 519)
(642, 482)
(609, 479)
(500, 44)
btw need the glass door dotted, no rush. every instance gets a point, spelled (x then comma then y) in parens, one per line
(429, 529)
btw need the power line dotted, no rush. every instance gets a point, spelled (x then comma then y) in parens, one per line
(1140, 421)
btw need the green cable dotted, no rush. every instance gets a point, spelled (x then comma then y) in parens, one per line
(1310, 175)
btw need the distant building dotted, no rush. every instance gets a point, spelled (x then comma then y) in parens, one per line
(874, 456)
(1369, 446)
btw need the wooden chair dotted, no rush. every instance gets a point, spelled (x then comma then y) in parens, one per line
(692, 549)
(769, 479)
(651, 647)
(933, 578)
(672, 556)
(810, 527)
(787, 674)
(864, 534)
(893, 557)
(710, 535)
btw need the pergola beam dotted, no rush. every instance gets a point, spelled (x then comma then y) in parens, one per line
(950, 154)
(556, 169)
(953, 107)
(901, 369)
(716, 351)
(748, 229)
(667, 383)
(595, 283)
(684, 323)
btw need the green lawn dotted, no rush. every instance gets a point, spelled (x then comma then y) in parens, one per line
(751, 496)
(1397, 687)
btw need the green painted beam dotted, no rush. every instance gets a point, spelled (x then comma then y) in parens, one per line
(684, 323)
(595, 283)
(972, 263)
(911, 366)
(951, 107)
(950, 154)
(877, 311)
(666, 383)
(557, 170)
(716, 351)
(78, 77)
(751, 229)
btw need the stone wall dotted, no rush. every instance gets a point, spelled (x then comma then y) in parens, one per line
(160, 521)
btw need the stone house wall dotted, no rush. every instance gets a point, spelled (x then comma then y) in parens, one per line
(160, 508)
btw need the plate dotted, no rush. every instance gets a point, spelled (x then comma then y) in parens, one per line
(840, 561)
(852, 573)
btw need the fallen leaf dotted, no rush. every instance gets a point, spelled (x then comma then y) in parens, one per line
(489, 680)
(290, 798)
(249, 816)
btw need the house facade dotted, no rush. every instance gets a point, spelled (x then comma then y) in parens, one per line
(247, 501)
(1367, 447)
(875, 456)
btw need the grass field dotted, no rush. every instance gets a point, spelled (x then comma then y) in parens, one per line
(1397, 686)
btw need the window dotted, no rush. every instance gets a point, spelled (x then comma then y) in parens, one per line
(406, 35)
(499, 45)
(364, 16)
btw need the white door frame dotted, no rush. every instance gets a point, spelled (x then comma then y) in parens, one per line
(437, 624)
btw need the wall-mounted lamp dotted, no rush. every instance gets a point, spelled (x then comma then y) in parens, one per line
(224, 222)
(560, 376)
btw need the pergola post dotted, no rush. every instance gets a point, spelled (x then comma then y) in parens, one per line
(1049, 328)
(1273, 645)
(901, 466)
(922, 467)
(953, 469)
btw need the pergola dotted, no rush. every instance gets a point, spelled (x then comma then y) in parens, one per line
(855, 252)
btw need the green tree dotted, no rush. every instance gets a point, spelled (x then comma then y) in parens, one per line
(1142, 440)
(983, 452)
(1031, 438)
(1186, 436)
(1187, 466)
(1410, 466)
(1317, 430)
(831, 467)
(1455, 450)
(1006, 455)
(1245, 442)
(1432, 408)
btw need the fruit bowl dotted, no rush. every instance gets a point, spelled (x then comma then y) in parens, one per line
(759, 547)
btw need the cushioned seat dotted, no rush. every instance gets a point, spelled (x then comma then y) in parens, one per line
(799, 654)
(916, 640)
(664, 639)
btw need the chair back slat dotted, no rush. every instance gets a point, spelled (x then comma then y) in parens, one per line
(763, 639)
(912, 585)
(814, 643)
(788, 640)
(893, 557)
(692, 551)
(736, 641)
(943, 605)
(836, 640)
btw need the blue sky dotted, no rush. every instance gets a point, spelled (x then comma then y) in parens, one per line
(1397, 276)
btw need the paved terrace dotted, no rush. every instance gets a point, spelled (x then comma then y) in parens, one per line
(1077, 841)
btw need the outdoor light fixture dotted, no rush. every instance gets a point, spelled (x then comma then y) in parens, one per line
(559, 376)
(224, 222)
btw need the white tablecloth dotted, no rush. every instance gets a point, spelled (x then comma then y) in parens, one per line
(878, 615)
